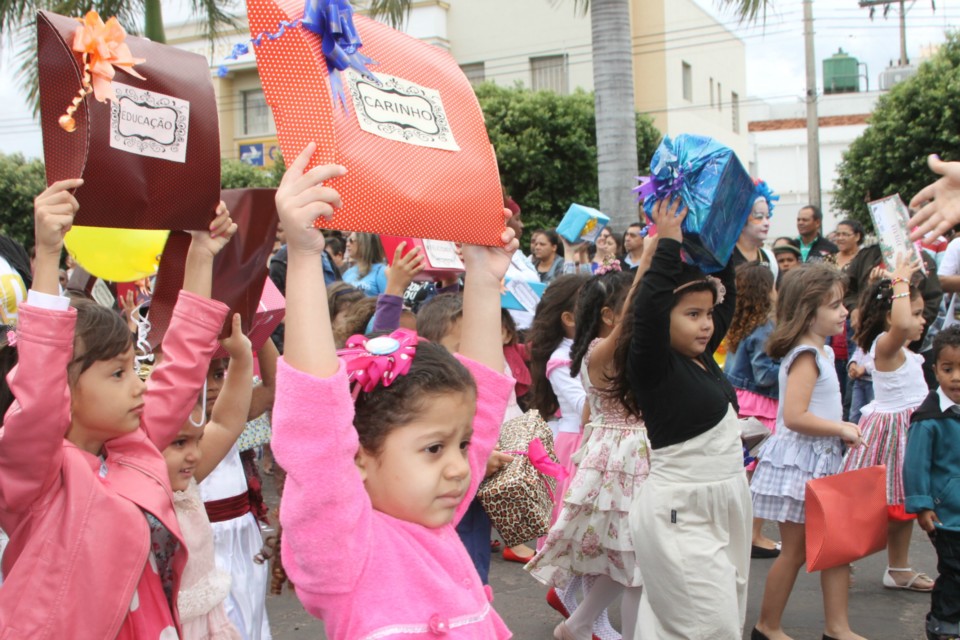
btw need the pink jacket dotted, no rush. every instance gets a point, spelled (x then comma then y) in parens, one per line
(79, 542)
(366, 574)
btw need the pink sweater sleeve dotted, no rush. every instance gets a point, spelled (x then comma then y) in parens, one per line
(31, 440)
(493, 394)
(326, 512)
(174, 386)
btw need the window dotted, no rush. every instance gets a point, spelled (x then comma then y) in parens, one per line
(711, 92)
(475, 72)
(719, 96)
(549, 73)
(257, 118)
(687, 82)
(735, 110)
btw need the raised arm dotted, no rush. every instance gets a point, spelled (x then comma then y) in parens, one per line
(599, 365)
(229, 415)
(191, 339)
(650, 343)
(265, 392)
(888, 355)
(31, 439)
(723, 312)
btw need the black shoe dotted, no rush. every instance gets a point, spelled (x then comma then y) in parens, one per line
(763, 553)
(826, 637)
(756, 634)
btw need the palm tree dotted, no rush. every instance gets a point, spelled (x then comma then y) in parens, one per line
(18, 23)
(612, 50)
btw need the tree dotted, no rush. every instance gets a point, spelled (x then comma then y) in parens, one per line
(917, 117)
(547, 149)
(235, 174)
(21, 181)
(18, 24)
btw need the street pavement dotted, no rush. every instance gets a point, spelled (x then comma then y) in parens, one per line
(875, 612)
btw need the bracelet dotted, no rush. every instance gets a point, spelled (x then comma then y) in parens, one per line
(900, 295)
(897, 281)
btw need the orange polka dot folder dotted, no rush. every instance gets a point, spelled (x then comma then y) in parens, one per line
(413, 139)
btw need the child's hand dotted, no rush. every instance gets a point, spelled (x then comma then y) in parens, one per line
(128, 307)
(669, 216)
(497, 461)
(907, 265)
(850, 434)
(575, 252)
(927, 519)
(221, 231)
(237, 345)
(404, 269)
(491, 260)
(938, 203)
(53, 212)
(855, 371)
(302, 198)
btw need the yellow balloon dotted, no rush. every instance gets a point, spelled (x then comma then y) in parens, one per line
(117, 255)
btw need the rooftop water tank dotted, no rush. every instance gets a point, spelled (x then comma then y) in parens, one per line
(841, 73)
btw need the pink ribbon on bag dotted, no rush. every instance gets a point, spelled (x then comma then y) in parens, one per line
(537, 454)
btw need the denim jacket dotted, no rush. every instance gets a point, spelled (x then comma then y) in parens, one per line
(751, 368)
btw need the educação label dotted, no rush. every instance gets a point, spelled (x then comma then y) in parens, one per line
(149, 124)
(397, 109)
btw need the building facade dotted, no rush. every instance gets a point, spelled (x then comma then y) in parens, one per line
(689, 70)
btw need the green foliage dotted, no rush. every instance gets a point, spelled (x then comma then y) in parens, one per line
(21, 181)
(917, 117)
(546, 148)
(240, 175)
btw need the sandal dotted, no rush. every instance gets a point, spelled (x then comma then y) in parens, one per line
(891, 583)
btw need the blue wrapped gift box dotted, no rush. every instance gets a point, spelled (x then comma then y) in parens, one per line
(582, 224)
(715, 188)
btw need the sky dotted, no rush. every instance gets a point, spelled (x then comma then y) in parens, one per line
(774, 49)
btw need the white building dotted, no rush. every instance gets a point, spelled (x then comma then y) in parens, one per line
(689, 70)
(778, 151)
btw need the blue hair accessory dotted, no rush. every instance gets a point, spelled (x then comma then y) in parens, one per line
(332, 20)
(764, 191)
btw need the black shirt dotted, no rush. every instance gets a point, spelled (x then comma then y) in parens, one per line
(678, 398)
(738, 258)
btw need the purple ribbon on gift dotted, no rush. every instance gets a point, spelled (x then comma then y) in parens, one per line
(537, 454)
(659, 188)
(332, 20)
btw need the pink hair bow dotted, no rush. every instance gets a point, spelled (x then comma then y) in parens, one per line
(11, 338)
(372, 361)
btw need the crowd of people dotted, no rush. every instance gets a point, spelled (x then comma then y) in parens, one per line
(131, 493)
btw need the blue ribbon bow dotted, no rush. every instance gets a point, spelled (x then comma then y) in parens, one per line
(332, 20)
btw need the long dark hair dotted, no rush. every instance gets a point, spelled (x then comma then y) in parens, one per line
(874, 305)
(604, 291)
(545, 336)
(692, 280)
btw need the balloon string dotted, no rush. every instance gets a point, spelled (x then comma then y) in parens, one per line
(66, 121)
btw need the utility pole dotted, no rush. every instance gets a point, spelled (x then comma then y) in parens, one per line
(903, 35)
(813, 122)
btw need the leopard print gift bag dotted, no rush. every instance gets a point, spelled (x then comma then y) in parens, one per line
(519, 497)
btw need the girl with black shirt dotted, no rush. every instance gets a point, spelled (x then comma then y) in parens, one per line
(692, 518)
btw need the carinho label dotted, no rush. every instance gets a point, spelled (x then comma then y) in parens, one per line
(399, 110)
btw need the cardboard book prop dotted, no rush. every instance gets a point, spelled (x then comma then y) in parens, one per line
(150, 159)
(419, 162)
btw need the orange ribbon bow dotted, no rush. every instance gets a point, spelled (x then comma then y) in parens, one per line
(103, 48)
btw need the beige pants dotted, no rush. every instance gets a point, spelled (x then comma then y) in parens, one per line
(692, 527)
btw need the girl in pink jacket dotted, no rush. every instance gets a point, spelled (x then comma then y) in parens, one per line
(376, 484)
(95, 551)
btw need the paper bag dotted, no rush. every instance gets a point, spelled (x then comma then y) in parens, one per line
(151, 159)
(239, 270)
(416, 149)
(846, 517)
